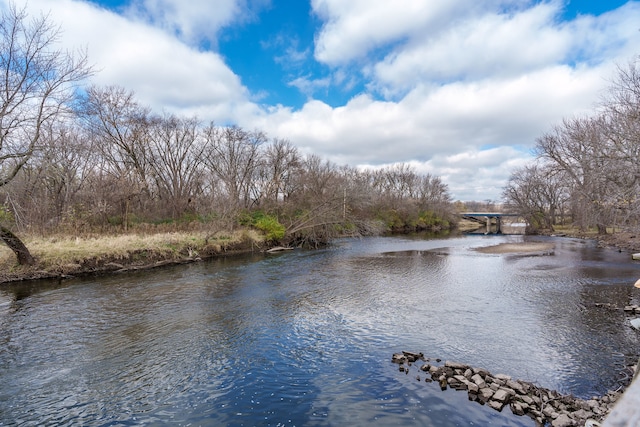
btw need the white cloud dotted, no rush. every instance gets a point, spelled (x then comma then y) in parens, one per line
(164, 73)
(354, 28)
(468, 86)
(192, 21)
(485, 45)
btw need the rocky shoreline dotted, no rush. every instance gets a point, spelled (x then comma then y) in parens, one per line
(544, 406)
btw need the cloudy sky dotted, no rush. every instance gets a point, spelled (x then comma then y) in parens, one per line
(457, 88)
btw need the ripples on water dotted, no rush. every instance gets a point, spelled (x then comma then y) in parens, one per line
(305, 337)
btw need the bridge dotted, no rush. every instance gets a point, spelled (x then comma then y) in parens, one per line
(488, 218)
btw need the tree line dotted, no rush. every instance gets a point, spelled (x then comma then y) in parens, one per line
(86, 159)
(587, 169)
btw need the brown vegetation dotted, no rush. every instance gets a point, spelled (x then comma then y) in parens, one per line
(587, 170)
(63, 256)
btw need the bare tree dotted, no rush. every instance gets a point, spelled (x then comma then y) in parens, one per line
(232, 155)
(536, 192)
(37, 85)
(282, 162)
(119, 125)
(579, 148)
(176, 159)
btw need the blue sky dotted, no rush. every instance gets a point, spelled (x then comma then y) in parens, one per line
(455, 88)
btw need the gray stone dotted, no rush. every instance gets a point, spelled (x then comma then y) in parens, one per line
(502, 377)
(501, 395)
(528, 400)
(480, 371)
(562, 421)
(515, 385)
(517, 408)
(455, 365)
(496, 405)
(485, 394)
(453, 382)
(582, 414)
(479, 381)
(398, 358)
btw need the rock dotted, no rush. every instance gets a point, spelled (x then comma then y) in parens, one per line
(460, 378)
(501, 395)
(517, 408)
(482, 372)
(496, 405)
(528, 400)
(468, 374)
(412, 357)
(398, 358)
(517, 386)
(563, 420)
(479, 381)
(502, 377)
(485, 394)
(452, 381)
(454, 365)
(581, 414)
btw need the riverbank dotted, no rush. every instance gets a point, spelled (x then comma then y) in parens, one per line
(66, 256)
(622, 241)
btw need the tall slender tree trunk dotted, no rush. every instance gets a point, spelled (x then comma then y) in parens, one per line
(15, 244)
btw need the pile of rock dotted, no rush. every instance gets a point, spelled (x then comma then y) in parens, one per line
(497, 391)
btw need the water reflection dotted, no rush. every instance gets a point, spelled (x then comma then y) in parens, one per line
(305, 337)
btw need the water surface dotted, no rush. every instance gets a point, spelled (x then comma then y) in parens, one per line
(306, 337)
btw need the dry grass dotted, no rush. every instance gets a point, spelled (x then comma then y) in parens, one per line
(70, 254)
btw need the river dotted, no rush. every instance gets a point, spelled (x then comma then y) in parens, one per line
(305, 337)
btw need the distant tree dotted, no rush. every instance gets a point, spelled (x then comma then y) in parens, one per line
(37, 86)
(579, 149)
(536, 192)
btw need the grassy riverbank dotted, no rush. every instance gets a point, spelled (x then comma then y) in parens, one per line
(60, 256)
(65, 255)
